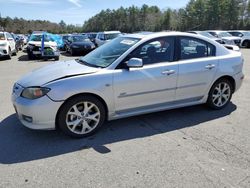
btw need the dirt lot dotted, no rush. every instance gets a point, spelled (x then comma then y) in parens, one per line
(188, 147)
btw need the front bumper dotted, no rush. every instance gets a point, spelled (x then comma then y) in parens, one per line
(48, 51)
(3, 51)
(37, 114)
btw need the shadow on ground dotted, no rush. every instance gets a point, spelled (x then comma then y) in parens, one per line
(19, 144)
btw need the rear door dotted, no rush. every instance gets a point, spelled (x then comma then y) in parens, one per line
(197, 68)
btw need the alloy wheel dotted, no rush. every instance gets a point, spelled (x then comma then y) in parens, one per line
(83, 117)
(221, 94)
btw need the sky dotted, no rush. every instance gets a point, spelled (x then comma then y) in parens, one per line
(73, 11)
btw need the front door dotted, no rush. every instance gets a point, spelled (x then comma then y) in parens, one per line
(154, 83)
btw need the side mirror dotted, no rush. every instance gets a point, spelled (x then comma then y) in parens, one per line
(135, 63)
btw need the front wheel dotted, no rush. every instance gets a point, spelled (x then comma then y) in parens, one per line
(81, 116)
(220, 94)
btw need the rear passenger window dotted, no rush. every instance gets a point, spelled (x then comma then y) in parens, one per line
(192, 48)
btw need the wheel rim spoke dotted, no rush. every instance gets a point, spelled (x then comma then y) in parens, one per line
(93, 117)
(85, 126)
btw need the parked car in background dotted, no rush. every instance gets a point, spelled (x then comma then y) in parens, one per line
(92, 37)
(19, 42)
(208, 35)
(24, 38)
(7, 45)
(121, 79)
(77, 44)
(226, 37)
(34, 48)
(244, 35)
(65, 38)
(228, 44)
(106, 36)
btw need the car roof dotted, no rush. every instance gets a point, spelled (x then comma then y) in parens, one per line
(109, 32)
(160, 34)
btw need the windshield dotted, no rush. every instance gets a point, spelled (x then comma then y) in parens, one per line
(2, 37)
(39, 38)
(106, 54)
(65, 37)
(224, 34)
(79, 38)
(111, 36)
(206, 34)
(246, 33)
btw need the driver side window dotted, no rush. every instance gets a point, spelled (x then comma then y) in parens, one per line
(155, 51)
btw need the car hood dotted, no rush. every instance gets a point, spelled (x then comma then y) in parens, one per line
(232, 38)
(39, 43)
(81, 43)
(3, 42)
(55, 71)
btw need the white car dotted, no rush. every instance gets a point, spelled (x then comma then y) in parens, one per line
(106, 36)
(35, 45)
(226, 37)
(245, 37)
(7, 45)
(131, 75)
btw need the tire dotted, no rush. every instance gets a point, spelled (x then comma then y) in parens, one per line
(72, 53)
(248, 44)
(220, 94)
(30, 56)
(77, 122)
(56, 58)
(9, 54)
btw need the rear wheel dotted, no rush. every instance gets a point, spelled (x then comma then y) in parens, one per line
(220, 94)
(81, 116)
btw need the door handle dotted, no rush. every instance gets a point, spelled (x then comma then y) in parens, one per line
(168, 72)
(210, 66)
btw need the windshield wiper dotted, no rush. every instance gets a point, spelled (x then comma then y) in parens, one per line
(86, 63)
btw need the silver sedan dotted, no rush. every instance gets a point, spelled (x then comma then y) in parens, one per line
(131, 75)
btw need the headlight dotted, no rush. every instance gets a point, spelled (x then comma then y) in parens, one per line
(3, 44)
(74, 46)
(34, 92)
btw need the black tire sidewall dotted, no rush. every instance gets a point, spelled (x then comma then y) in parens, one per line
(210, 94)
(68, 104)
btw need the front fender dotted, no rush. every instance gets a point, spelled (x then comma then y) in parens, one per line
(99, 84)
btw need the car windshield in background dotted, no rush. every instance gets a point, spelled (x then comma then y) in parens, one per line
(224, 34)
(65, 37)
(246, 33)
(80, 38)
(111, 36)
(206, 34)
(37, 38)
(2, 37)
(109, 52)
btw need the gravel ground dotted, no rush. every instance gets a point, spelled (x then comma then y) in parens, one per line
(188, 147)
